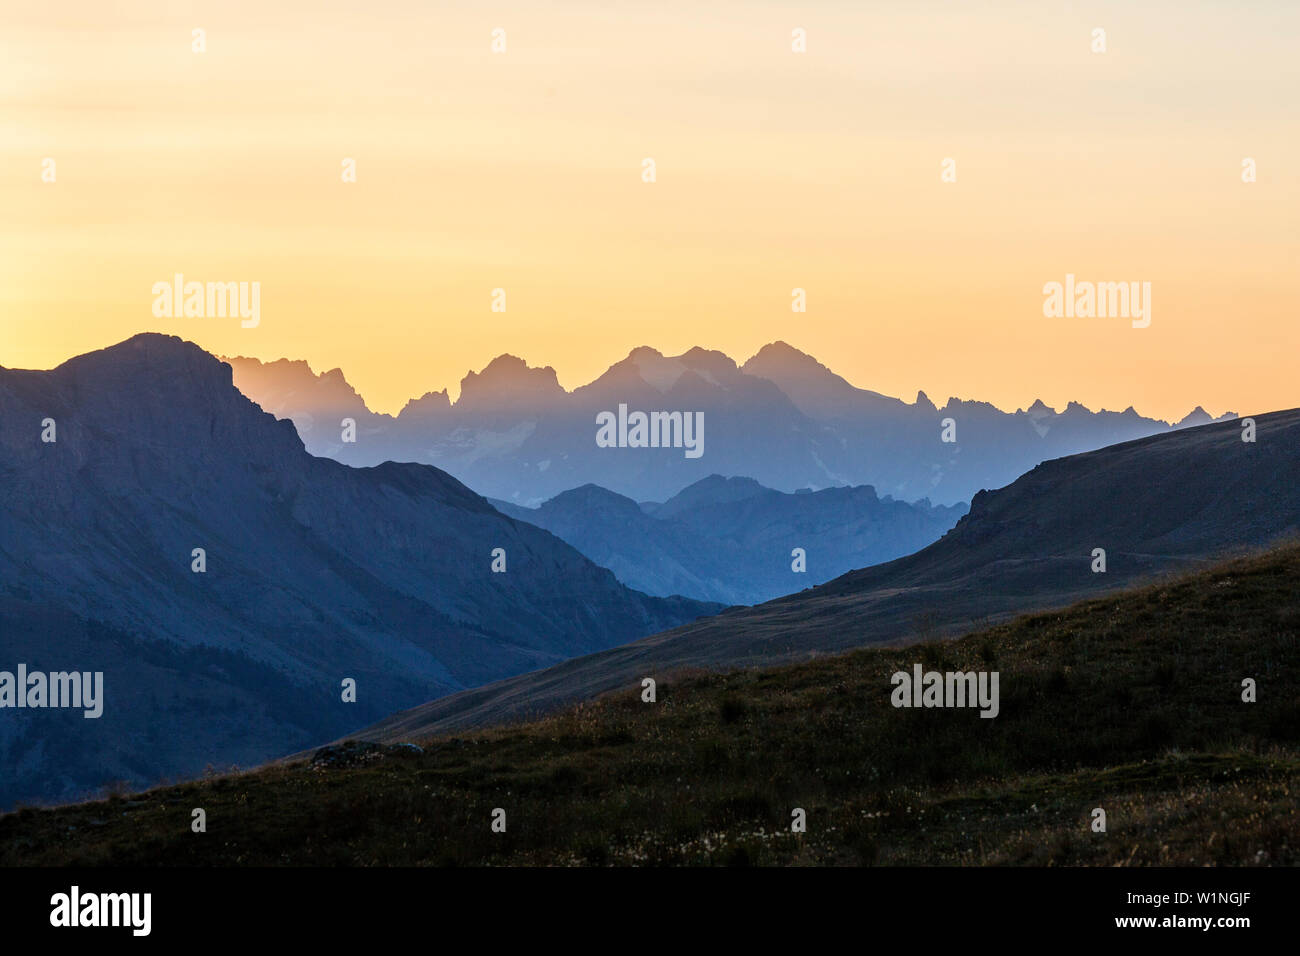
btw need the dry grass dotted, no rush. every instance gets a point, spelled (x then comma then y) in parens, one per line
(1130, 703)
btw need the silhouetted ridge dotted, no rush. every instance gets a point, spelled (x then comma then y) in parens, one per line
(241, 581)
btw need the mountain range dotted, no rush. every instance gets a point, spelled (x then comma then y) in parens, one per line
(733, 540)
(245, 598)
(1160, 505)
(161, 528)
(782, 418)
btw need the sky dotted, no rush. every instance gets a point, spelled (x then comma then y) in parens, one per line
(522, 170)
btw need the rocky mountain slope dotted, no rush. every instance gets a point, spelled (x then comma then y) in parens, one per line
(313, 573)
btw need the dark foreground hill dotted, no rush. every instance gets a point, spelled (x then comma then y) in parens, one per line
(1157, 505)
(734, 541)
(313, 573)
(1131, 704)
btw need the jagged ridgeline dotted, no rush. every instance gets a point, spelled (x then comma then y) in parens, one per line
(782, 419)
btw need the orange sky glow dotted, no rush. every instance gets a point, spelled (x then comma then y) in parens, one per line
(775, 170)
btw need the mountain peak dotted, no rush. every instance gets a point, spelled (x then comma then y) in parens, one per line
(165, 361)
(815, 389)
(708, 360)
(715, 489)
(156, 344)
(663, 372)
(169, 388)
(1197, 416)
(289, 387)
(781, 361)
(590, 498)
(507, 366)
(506, 381)
(784, 352)
(430, 403)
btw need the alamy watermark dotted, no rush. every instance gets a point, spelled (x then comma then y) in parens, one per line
(198, 300)
(651, 430)
(953, 689)
(1101, 300)
(56, 689)
(75, 908)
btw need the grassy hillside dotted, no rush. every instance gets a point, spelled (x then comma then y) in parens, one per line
(1131, 703)
(1162, 505)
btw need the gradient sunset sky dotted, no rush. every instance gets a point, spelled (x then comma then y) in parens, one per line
(775, 170)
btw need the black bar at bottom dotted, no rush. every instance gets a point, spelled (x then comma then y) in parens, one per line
(338, 906)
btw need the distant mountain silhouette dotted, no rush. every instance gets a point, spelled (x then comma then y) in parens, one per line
(1160, 504)
(782, 418)
(709, 492)
(731, 539)
(315, 572)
